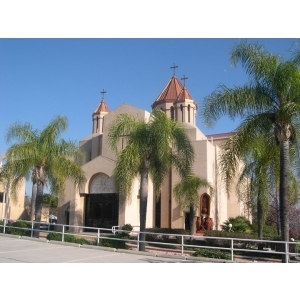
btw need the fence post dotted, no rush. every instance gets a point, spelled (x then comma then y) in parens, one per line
(286, 252)
(63, 234)
(31, 234)
(182, 242)
(231, 249)
(138, 242)
(98, 237)
(4, 224)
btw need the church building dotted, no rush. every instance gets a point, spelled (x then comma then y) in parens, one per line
(97, 204)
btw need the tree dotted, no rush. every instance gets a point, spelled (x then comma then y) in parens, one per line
(258, 174)
(186, 192)
(269, 105)
(51, 200)
(44, 155)
(151, 148)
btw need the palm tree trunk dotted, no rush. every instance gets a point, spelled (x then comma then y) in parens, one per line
(192, 215)
(38, 207)
(259, 219)
(143, 208)
(283, 191)
(33, 200)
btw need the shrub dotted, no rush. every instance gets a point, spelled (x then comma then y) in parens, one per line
(227, 243)
(111, 243)
(211, 253)
(167, 239)
(127, 227)
(57, 236)
(268, 231)
(69, 238)
(83, 241)
(1, 228)
(239, 224)
(54, 236)
(16, 228)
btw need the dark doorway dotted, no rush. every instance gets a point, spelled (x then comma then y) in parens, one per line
(158, 212)
(187, 221)
(101, 210)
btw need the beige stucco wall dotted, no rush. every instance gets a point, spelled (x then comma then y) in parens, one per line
(15, 207)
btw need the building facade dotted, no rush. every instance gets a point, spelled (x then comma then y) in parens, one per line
(11, 207)
(97, 204)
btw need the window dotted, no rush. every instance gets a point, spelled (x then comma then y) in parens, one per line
(172, 112)
(181, 108)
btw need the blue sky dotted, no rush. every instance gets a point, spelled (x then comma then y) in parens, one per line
(42, 78)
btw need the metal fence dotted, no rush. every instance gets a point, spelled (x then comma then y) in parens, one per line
(185, 244)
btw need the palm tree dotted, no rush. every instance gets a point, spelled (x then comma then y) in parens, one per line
(151, 148)
(269, 105)
(258, 175)
(258, 178)
(46, 156)
(186, 192)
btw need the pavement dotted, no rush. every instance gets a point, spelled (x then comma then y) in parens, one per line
(15, 249)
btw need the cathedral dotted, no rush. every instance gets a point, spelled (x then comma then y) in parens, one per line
(97, 204)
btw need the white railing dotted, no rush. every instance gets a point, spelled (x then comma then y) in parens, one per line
(182, 247)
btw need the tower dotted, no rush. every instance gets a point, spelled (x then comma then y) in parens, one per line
(98, 115)
(176, 101)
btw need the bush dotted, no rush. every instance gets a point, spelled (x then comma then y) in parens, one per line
(83, 241)
(54, 236)
(57, 236)
(68, 238)
(127, 227)
(211, 253)
(114, 243)
(16, 228)
(239, 224)
(1, 228)
(227, 243)
(167, 239)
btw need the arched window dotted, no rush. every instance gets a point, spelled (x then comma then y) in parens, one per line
(189, 113)
(181, 108)
(172, 112)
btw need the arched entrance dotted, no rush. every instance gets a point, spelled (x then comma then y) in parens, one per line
(204, 221)
(102, 203)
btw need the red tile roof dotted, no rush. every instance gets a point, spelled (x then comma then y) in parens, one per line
(102, 107)
(172, 91)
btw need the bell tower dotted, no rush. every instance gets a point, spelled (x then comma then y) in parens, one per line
(176, 101)
(98, 116)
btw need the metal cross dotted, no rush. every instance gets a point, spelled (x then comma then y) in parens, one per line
(174, 67)
(103, 92)
(184, 78)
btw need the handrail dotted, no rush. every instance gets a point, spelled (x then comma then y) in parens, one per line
(100, 234)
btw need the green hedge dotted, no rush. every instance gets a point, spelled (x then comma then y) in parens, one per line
(211, 253)
(227, 243)
(19, 231)
(118, 244)
(167, 239)
(57, 236)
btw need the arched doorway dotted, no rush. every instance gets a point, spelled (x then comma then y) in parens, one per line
(102, 203)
